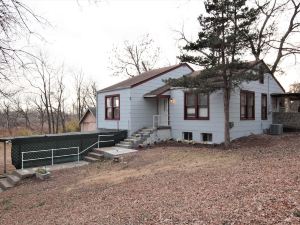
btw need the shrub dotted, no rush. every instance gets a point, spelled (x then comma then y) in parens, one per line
(41, 171)
(23, 132)
(72, 126)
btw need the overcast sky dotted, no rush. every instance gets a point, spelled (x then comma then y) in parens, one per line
(82, 34)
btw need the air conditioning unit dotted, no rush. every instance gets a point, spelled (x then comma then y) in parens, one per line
(276, 129)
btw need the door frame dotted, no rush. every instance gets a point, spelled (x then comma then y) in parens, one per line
(168, 104)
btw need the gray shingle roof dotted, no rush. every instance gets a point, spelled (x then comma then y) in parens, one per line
(134, 81)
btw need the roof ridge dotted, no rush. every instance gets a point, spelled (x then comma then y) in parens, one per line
(148, 75)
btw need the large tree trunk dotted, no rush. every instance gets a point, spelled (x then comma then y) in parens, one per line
(226, 118)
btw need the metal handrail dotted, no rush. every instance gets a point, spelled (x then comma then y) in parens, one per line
(78, 153)
(105, 135)
(52, 155)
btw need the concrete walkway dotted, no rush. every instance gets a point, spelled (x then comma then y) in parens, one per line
(62, 166)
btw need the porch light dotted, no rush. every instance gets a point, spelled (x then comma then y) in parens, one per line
(172, 101)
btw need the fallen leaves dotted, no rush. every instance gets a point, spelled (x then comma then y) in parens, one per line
(255, 182)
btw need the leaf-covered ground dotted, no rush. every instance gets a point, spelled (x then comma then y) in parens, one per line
(257, 181)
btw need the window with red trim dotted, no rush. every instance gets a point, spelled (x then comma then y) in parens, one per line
(196, 106)
(264, 107)
(247, 105)
(112, 107)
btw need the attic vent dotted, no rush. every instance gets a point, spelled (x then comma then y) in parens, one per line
(276, 129)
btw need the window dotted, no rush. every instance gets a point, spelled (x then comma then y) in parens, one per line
(190, 107)
(196, 106)
(187, 136)
(247, 104)
(206, 137)
(264, 107)
(112, 107)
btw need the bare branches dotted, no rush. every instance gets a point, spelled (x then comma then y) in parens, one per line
(134, 58)
(85, 93)
(15, 19)
(295, 87)
(273, 39)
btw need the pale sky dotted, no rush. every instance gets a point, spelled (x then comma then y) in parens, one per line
(82, 35)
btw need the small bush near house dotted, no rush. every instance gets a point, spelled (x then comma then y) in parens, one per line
(41, 171)
(23, 132)
(72, 126)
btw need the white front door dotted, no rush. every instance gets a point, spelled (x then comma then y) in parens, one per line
(163, 111)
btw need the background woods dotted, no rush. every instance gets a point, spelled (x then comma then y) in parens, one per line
(49, 99)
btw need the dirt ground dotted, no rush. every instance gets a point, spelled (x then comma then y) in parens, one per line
(257, 181)
(9, 166)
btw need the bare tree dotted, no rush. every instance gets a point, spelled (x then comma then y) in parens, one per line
(39, 107)
(15, 17)
(91, 94)
(60, 102)
(295, 87)
(23, 108)
(80, 94)
(7, 114)
(85, 92)
(134, 58)
(40, 79)
(275, 34)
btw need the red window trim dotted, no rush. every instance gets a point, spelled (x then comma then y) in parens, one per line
(197, 108)
(247, 92)
(266, 110)
(112, 97)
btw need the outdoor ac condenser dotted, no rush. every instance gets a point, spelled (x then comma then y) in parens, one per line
(276, 129)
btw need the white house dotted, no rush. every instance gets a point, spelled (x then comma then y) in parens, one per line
(145, 101)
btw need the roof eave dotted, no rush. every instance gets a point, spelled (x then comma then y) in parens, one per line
(141, 82)
(115, 89)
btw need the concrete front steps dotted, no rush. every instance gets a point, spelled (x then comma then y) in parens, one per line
(94, 156)
(136, 139)
(14, 179)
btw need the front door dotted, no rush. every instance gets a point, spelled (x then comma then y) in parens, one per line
(163, 111)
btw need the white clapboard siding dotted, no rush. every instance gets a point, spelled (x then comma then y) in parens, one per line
(247, 127)
(136, 112)
(214, 125)
(124, 122)
(142, 110)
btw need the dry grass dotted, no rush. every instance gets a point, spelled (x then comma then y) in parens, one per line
(255, 182)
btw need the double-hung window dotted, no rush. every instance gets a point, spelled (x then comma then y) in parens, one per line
(112, 107)
(264, 107)
(190, 106)
(247, 105)
(196, 106)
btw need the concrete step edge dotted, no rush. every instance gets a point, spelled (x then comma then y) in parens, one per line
(24, 173)
(124, 146)
(4, 184)
(95, 155)
(13, 179)
(90, 159)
